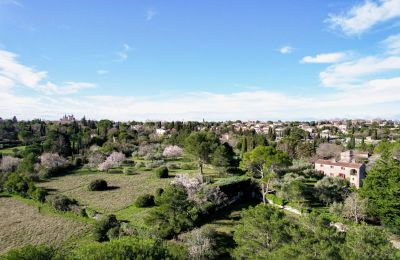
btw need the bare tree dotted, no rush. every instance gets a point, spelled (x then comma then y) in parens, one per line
(355, 207)
(9, 163)
(328, 151)
(201, 244)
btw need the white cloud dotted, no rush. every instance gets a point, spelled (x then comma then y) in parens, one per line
(361, 18)
(354, 72)
(123, 54)
(11, 2)
(325, 58)
(286, 49)
(68, 88)
(150, 14)
(102, 72)
(13, 74)
(392, 44)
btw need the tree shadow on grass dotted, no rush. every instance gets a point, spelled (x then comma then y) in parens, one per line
(112, 188)
(5, 196)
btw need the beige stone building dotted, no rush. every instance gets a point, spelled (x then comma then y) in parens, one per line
(346, 168)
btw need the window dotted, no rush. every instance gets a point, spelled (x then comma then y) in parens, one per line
(342, 175)
(321, 165)
(353, 172)
(332, 167)
(343, 168)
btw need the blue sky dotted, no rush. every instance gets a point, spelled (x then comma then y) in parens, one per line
(218, 60)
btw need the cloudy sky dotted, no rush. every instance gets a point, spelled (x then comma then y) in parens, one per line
(185, 60)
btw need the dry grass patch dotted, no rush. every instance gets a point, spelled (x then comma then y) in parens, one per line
(123, 192)
(22, 224)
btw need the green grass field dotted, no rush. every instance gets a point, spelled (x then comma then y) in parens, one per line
(123, 191)
(10, 151)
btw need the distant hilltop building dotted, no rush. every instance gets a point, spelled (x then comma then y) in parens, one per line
(348, 167)
(67, 119)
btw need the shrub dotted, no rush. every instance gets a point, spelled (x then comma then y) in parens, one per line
(39, 194)
(189, 166)
(145, 200)
(155, 164)
(16, 183)
(102, 227)
(115, 171)
(276, 200)
(30, 252)
(132, 247)
(162, 172)
(63, 203)
(128, 171)
(98, 185)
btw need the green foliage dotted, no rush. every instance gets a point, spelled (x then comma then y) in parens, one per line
(27, 164)
(188, 166)
(382, 189)
(265, 159)
(262, 229)
(97, 185)
(366, 242)
(231, 180)
(201, 145)
(174, 214)
(124, 248)
(128, 171)
(162, 172)
(62, 203)
(30, 252)
(330, 189)
(145, 200)
(16, 183)
(276, 200)
(102, 227)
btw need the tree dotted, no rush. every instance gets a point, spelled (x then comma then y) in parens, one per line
(115, 159)
(132, 247)
(201, 145)
(201, 243)
(355, 207)
(367, 242)
(292, 188)
(174, 214)
(328, 151)
(262, 229)
(331, 189)
(172, 151)
(262, 163)
(52, 161)
(223, 156)
(9, 164)
(382, 189)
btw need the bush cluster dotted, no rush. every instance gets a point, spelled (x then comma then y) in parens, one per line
(106, 228)
(145, 200)
(18, 184)
(162, 172)
(97, 185)
(63, 203)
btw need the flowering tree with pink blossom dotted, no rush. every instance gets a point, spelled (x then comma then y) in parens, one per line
(9, 163)
(113, 160)
(199, 192)
(95, 159)
(173, 151)
(52, 160)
